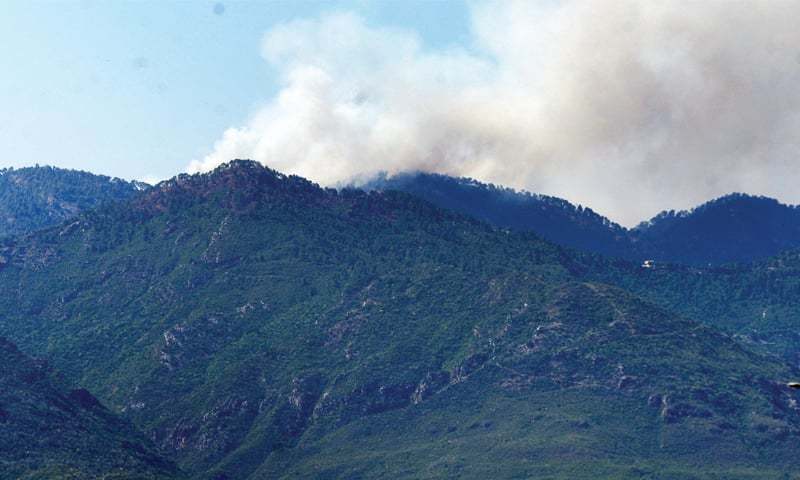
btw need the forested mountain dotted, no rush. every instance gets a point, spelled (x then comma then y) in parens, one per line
(734, 228)
(48, 432)
(37, 197)
(258, 326)
(552, 218)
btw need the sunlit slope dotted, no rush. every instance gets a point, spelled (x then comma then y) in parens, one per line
(258, 326)
(38, 197)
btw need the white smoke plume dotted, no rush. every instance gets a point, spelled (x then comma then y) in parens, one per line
(626, 106)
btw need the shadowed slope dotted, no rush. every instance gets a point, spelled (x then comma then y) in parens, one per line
(734, 228)
(48, 432)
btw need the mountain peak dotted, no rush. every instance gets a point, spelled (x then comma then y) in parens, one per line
(238, 178)
(734, 227)
(242, 171)
(241, 164)
(736, 200)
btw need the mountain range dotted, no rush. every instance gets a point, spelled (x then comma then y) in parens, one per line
(251, 325)
(733, 228)
(736, 228)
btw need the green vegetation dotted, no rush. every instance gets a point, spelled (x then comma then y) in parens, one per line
(756, 303)
(48, 432)
(552, 218)
(38, 197)
(733, 228)
(257, 326)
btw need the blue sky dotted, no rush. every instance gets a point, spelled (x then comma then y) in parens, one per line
(140, 89)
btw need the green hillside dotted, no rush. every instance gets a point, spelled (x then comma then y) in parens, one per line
(37, 197)
(257, 326)
(48, 432)
(755, 303)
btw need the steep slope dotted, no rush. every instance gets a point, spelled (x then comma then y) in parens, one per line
(636, 395)
(38, 197)
(50, 433)
(259, 326)
(756, 303)
(552, 218)
(734, 228)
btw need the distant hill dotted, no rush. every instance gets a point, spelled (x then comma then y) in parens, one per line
(37, 197)
(258, 326)
(48, 432)
(551, 218)
(734, 228)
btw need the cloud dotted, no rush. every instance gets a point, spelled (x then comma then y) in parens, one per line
(629, 107)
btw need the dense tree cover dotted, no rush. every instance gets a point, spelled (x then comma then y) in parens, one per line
(755, 303)
(257, 326)
(37, 197)
(552, 218)
(50, 432)
(734, 228)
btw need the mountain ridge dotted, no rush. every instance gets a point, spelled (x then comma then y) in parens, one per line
(746, 227)
(733, 228)
(257, 325)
